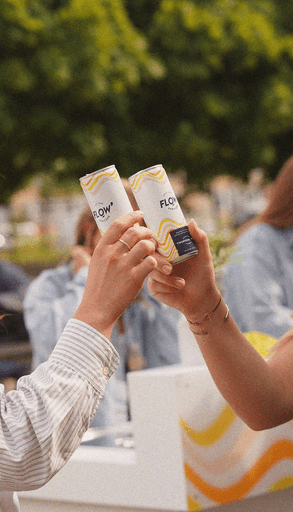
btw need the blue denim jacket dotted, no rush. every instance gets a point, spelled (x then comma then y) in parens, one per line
(258, 280)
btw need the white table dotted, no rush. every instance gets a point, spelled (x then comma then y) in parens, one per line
(216, 448)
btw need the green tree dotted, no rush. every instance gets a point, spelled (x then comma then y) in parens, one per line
(204, 85)
(225, 103)
(65, 66)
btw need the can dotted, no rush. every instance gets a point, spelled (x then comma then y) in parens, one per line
(106, 196)
(162, 213)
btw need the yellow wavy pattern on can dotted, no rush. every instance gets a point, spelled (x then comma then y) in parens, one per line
(94, 183)
(169, 255)
(282, 449)
(166, 245)
(214, 431)
(163, 236)
(163, 226)
(137, 182)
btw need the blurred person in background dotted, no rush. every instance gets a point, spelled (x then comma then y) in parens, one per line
(145, 336)
(255, 194)
(257, 282)
(252, 198)
(225, 193)
(13, 285)
(198, 205)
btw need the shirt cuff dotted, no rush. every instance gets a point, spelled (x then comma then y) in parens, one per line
(87, 352)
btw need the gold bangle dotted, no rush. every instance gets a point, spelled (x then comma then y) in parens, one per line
(207, 316)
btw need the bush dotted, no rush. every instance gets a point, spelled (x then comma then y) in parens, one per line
(36, 254)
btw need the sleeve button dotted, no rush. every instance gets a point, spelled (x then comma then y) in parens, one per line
(106, 370)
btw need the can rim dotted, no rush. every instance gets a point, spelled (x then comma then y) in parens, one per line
(158, 166)
(98, 171)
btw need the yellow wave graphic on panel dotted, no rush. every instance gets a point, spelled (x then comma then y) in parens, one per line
(95, 182)
(192, 505)
(284, 483)
(222, 461)
(261, 342)
(138, 181)
(282, 449)
(214, 431)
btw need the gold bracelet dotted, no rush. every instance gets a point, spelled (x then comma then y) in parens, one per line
(207, 316)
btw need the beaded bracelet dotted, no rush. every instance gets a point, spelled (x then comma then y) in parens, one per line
(207, 316)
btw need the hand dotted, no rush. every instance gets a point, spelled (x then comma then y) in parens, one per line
(116, 274)
(190, 287)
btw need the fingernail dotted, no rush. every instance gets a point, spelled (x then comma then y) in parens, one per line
(179, 282)
(166, 269)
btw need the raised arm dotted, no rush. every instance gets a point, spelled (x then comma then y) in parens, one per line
(43, 421)
(259, 391)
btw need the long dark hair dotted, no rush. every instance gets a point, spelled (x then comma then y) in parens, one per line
(85, 218)
(279, 211)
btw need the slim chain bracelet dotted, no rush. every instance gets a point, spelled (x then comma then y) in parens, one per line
(207, 316)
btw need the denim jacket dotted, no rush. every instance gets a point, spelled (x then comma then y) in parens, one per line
(258, 280)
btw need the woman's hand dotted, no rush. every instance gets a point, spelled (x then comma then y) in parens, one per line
(190, 287)
(116, 274)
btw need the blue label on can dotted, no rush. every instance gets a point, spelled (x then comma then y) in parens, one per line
(183, 241)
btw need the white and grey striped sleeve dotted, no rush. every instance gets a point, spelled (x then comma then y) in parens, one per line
(43, 421)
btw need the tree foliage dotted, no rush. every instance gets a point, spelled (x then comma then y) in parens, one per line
(204, 85)
(226, 100)
(64, 67)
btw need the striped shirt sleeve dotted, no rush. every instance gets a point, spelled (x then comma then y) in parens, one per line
(43, 421)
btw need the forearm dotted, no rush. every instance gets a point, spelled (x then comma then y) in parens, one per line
(259, 391)
(244, 378)
(45, 418)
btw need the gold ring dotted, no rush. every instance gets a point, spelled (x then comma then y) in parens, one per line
(125, 243)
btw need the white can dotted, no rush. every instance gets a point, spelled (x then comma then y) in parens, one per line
(106, 196)
(162, 213)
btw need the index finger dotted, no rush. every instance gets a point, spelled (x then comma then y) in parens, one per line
(119, 226)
